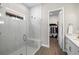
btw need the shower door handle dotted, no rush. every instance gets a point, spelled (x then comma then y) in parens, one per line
(24, 37)
(0, 33)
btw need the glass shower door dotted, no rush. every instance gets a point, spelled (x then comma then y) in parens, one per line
(11, 37)
(33, 40)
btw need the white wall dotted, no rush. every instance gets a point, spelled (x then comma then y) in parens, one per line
(36, 11)
(77, 15)
(53, 19)
(34, 25)
(17, 7)
(70, 16)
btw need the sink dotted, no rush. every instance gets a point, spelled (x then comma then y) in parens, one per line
(76, 37)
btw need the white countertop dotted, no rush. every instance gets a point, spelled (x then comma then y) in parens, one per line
(74, 39)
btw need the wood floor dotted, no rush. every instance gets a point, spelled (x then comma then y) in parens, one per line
(53, 50)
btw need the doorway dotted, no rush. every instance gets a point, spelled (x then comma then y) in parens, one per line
(56, 26)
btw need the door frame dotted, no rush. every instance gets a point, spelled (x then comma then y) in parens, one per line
(62, 9)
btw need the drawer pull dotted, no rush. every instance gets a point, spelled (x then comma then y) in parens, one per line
(70, 49)
(24, 37)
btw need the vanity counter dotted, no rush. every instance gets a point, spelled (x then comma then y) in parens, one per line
(74, 39)
(72, 44)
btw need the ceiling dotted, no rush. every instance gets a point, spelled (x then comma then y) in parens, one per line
(30, 5)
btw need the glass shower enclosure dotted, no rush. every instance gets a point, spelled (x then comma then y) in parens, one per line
(33, 39)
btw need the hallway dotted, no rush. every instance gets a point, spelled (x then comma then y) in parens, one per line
(53, 50)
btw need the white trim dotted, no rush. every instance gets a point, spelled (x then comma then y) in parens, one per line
(63, 29)
(63, 25)
(36, 50)
(47, 46)
(48, 30)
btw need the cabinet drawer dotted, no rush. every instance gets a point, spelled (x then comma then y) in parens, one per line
(76, 51)
(71, 48)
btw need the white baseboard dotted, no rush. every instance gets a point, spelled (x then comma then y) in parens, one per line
(45, 45)
(36, 50)
(39, 48)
